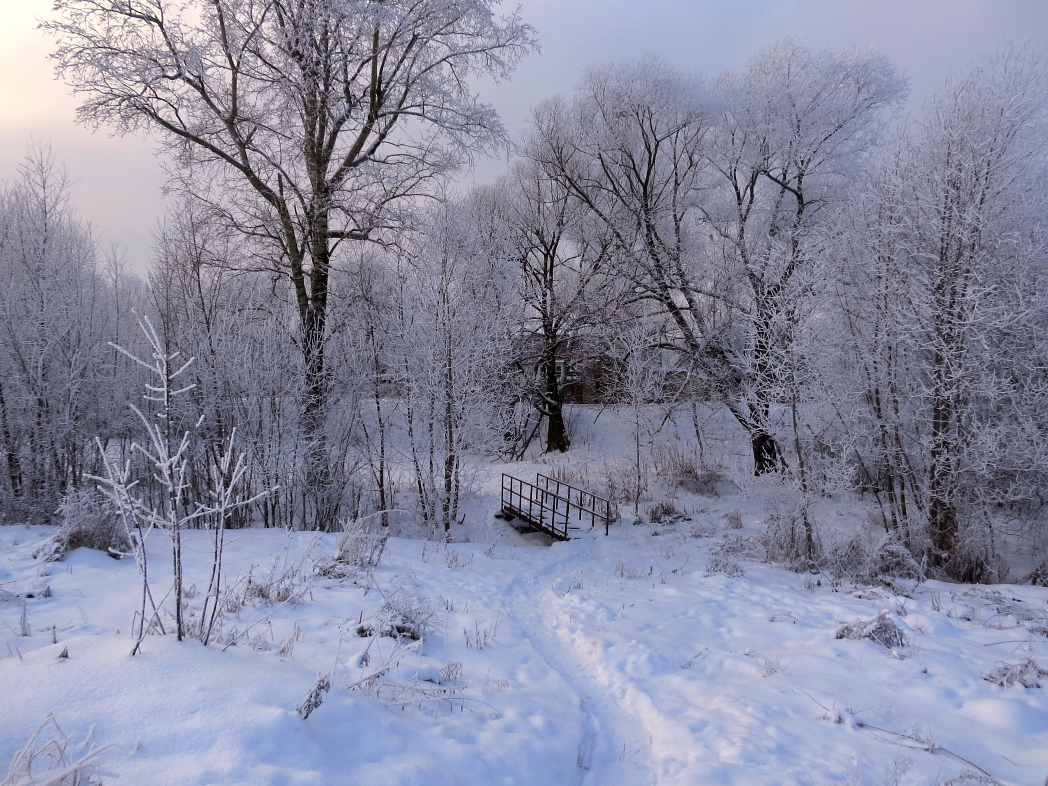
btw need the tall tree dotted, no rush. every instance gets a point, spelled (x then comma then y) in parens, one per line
(792, 131)
(451, 343)
(563, 286)
(946, 301)
(55, 318)
(312, 121)
(711, 194)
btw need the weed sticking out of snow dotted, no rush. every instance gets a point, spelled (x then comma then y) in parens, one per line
(481, 637)
(1026, 673)
(625, 570)
(315, 697)
(50, 758)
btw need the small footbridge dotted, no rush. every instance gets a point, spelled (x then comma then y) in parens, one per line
(554, 507)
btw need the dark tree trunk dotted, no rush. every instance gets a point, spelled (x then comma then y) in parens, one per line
(942, 510)
(321, 497)
(14, 466)
(556, 433)
(767, 457)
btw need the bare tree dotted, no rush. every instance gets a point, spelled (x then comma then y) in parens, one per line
(792, 132)
(711, 194)
(56, 313)
(947, 306)
(304, 122)
(453, 342)
(564, 286)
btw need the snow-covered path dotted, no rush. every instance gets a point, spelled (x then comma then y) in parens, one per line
(605, 660)
(532, 602)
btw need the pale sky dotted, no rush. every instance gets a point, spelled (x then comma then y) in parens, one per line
(117, 181)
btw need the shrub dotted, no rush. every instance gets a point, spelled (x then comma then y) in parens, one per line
(664, 512)
(723, 556)
(89, 520)
(881, 629)
(686, 470)
(723, 563)
(1039, 576)
(401, 616)
(359, 548)
(974, 560)
(784, 539)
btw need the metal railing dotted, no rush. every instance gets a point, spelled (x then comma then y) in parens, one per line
(601, 508)
(539, 506)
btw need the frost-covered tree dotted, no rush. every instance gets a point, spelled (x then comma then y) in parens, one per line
(945, 296)
(305, 123)
(712, 195)
(57, 312)
(453, 344)
(247, 375)
(792, 131)
(564, 287)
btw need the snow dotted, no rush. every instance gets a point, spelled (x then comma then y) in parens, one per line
(602, 660)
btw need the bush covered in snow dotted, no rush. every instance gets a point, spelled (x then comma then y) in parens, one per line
(359, 548)
(89, 520)
(882, 629)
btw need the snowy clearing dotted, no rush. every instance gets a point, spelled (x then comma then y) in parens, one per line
(626, 659)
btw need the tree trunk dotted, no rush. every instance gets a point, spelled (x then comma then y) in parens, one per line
(321, 497)
(942, 510)
(14, 466)
(767, 457)
(556, 433)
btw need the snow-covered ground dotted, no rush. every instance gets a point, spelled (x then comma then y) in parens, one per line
(604, 660)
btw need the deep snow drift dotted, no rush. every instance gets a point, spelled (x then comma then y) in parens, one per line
(663, 653)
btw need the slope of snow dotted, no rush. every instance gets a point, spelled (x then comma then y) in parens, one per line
(603, 660)
(609, 661)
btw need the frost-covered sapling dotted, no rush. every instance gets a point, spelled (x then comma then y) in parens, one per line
(640, 381)
(173, 507)
(170, 508)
